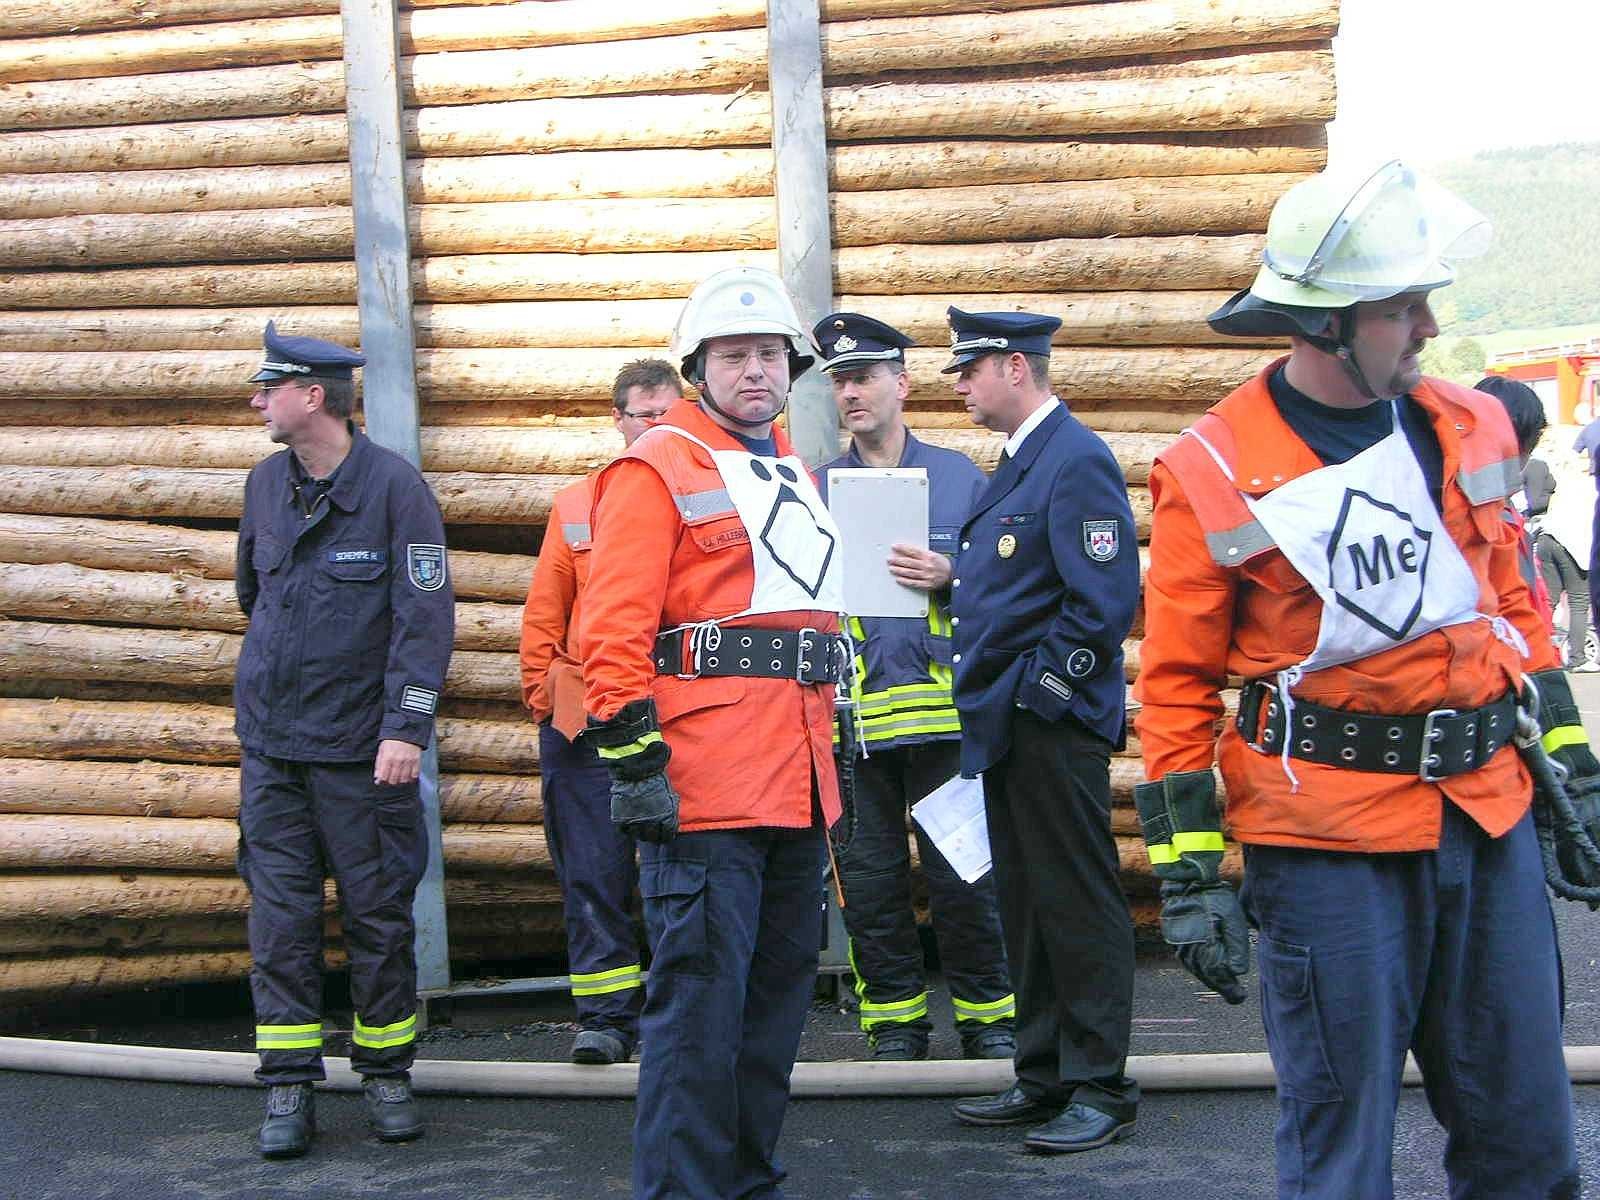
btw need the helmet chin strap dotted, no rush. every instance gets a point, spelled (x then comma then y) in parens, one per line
(1343, 349)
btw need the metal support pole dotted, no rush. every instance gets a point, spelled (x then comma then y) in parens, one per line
(805, 240)
(388, 339)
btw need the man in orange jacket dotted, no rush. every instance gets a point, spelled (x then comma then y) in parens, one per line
(1331, 532)
(710, 649)
(594, 862)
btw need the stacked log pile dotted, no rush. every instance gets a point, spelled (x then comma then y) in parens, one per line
(173, 176)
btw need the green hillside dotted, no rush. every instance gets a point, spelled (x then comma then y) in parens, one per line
(1542, 268)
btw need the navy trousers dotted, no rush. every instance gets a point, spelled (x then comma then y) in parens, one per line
(885, 950)
(1450, 954)
(298, 822)
(735, 922)
(594, 865)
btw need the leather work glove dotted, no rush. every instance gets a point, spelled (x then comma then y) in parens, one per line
(1564, 741)
(1200, 914)
(643, 804)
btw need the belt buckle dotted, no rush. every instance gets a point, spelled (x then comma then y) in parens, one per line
(805, 643)
(1259, 722)
(1427, 759)
(698, 638)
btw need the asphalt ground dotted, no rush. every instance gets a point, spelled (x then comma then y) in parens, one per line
(82, 1138)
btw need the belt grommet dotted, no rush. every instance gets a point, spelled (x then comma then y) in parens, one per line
(1391, 758)
(1307, 746)
(712, 660)
(777, 643)
(777, 664)
(1394, 733)
(746, 642)
(1350, 729)
(1308, 721)
(1348, 754)
(1472, 728)
(744, 664)
(1272, 709)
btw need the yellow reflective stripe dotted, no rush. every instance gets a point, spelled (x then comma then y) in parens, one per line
(880, 1014)
(600, 983)
(289, 1037)
(380, 1037)
(985, 1013)
(631, 748)
(1186, 843)
(1563, 735)
(883, 729)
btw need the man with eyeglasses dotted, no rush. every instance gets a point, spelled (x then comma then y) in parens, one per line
(594, 861)
(710, 649)
(342, 572)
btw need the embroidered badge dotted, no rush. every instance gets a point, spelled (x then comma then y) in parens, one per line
(844, 345)
(358, 556)
(1100, 540)
(426, 566)
(1080, 662)
(1007, 546)
(419, 699)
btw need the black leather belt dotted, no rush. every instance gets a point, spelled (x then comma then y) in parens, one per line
(804, 655)
(1433, 745)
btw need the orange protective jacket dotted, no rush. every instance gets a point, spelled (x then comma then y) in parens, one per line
(669, 550)
(552, 679)
(1205, 622)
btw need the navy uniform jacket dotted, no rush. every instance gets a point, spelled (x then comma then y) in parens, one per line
(1042, 627)
(351, 611)
(907, 653)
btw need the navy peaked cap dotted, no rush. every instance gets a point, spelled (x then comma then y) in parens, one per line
(852, 340)
(296, 357)
(972, 335)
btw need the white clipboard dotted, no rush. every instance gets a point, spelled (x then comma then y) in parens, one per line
(876, 508)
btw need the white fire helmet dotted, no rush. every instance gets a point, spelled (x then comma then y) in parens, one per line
(1343, 237)
(735, 301)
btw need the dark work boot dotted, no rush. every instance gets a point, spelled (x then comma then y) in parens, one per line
(291, 1120)
(895, 1044)
(989, 1041)
(391, 1111)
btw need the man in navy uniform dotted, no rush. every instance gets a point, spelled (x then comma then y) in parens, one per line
(342, 572)
(1044, 594)
(910, 734)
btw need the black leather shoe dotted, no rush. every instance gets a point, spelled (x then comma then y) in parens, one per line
(391, 1111)
(1011, 1107)
(1079, 1127)
(989, 1043)
(899, 1045)
(291, 1120)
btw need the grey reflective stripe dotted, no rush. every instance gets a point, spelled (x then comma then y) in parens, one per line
(575, 533)
(1493, 482)
(699, 505)
(1231, 547)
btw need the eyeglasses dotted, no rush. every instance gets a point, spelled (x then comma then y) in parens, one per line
(645, 416)
(768, 356)
(269, 388)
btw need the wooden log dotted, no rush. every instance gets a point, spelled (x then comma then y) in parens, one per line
(145, 789)
(598, 174)
(199, 733)
(854, 113)
(1206, 204)
(1056, 265)
(209, 553)
(1088, 318)
(24, 978)
(195, 658)
(163, 492)
(534, 376)
(209, 844)
(143, 896)
(39, 18)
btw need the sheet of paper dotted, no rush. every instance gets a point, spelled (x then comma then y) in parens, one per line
(952, 816)
(876, 507)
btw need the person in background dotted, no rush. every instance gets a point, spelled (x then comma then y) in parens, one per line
(594, 862)
(1527, 507)
(911, 734)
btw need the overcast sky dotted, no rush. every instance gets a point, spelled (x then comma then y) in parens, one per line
(1426, 80)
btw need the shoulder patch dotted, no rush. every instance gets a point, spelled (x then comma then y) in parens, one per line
(1101, 541)
(425, 565)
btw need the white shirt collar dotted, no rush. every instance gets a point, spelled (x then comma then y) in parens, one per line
(1035, 419)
